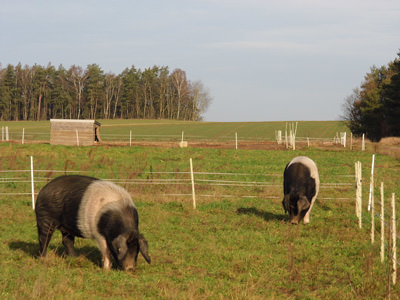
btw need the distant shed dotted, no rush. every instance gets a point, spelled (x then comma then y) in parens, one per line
(74, 132)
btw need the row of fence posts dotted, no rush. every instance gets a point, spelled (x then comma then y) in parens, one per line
(371, 208)
(290, 140)
(340, 138)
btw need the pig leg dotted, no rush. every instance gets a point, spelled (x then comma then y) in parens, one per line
(307, 215)
(68, 242)
(45, 232)
(102, 244)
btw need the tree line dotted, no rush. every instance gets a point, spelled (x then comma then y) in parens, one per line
(40, 93)
(374, 107)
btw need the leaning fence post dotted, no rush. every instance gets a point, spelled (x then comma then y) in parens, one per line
(192, 178)
(382, 225)
(394, 250)
(32, 185)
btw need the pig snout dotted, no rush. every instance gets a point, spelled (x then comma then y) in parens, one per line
(129, 268)
(294, 220)
(129, 264)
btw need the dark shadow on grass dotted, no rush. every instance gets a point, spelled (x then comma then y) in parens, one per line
(267, 216)
(32, 249)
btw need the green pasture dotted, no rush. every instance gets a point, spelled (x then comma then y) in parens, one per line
(237, 244)
(167, 130)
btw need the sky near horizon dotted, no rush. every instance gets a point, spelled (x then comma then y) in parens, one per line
(261, 60)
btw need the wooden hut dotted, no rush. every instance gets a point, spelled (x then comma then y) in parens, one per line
(74, 132)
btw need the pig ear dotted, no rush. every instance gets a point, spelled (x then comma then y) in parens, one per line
(143, 248)
(303, 204)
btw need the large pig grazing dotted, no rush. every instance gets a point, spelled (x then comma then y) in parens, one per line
(95, 209)
(300, 188)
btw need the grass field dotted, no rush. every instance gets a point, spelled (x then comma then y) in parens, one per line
(237, 244)
(114, 130)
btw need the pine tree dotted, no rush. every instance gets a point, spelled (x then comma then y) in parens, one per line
(391, 101)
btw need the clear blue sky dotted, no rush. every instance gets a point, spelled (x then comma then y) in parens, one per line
(261, 60)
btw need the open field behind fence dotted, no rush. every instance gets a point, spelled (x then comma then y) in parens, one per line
(166, 130)
(236, 244)
(236, 135)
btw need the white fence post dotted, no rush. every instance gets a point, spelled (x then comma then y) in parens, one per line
(294, 139)
(192, 178)
(286, 139)
(278, 136)
(236, 141)
(394, 248)
(382, 225)
(7, 133)
(371, 184)
(344, 139)
(77, 137)
(2, 133)
(372, 219)
(363, 142)
(23, 135)
(32, 185)
(359, 192)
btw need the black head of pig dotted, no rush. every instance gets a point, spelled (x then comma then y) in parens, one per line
(126, 247)
(297, 206)
(124, 241)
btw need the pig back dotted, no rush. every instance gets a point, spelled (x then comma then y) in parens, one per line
(99, 197)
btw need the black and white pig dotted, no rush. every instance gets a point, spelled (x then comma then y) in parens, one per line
(300, 188)
(81, 206)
